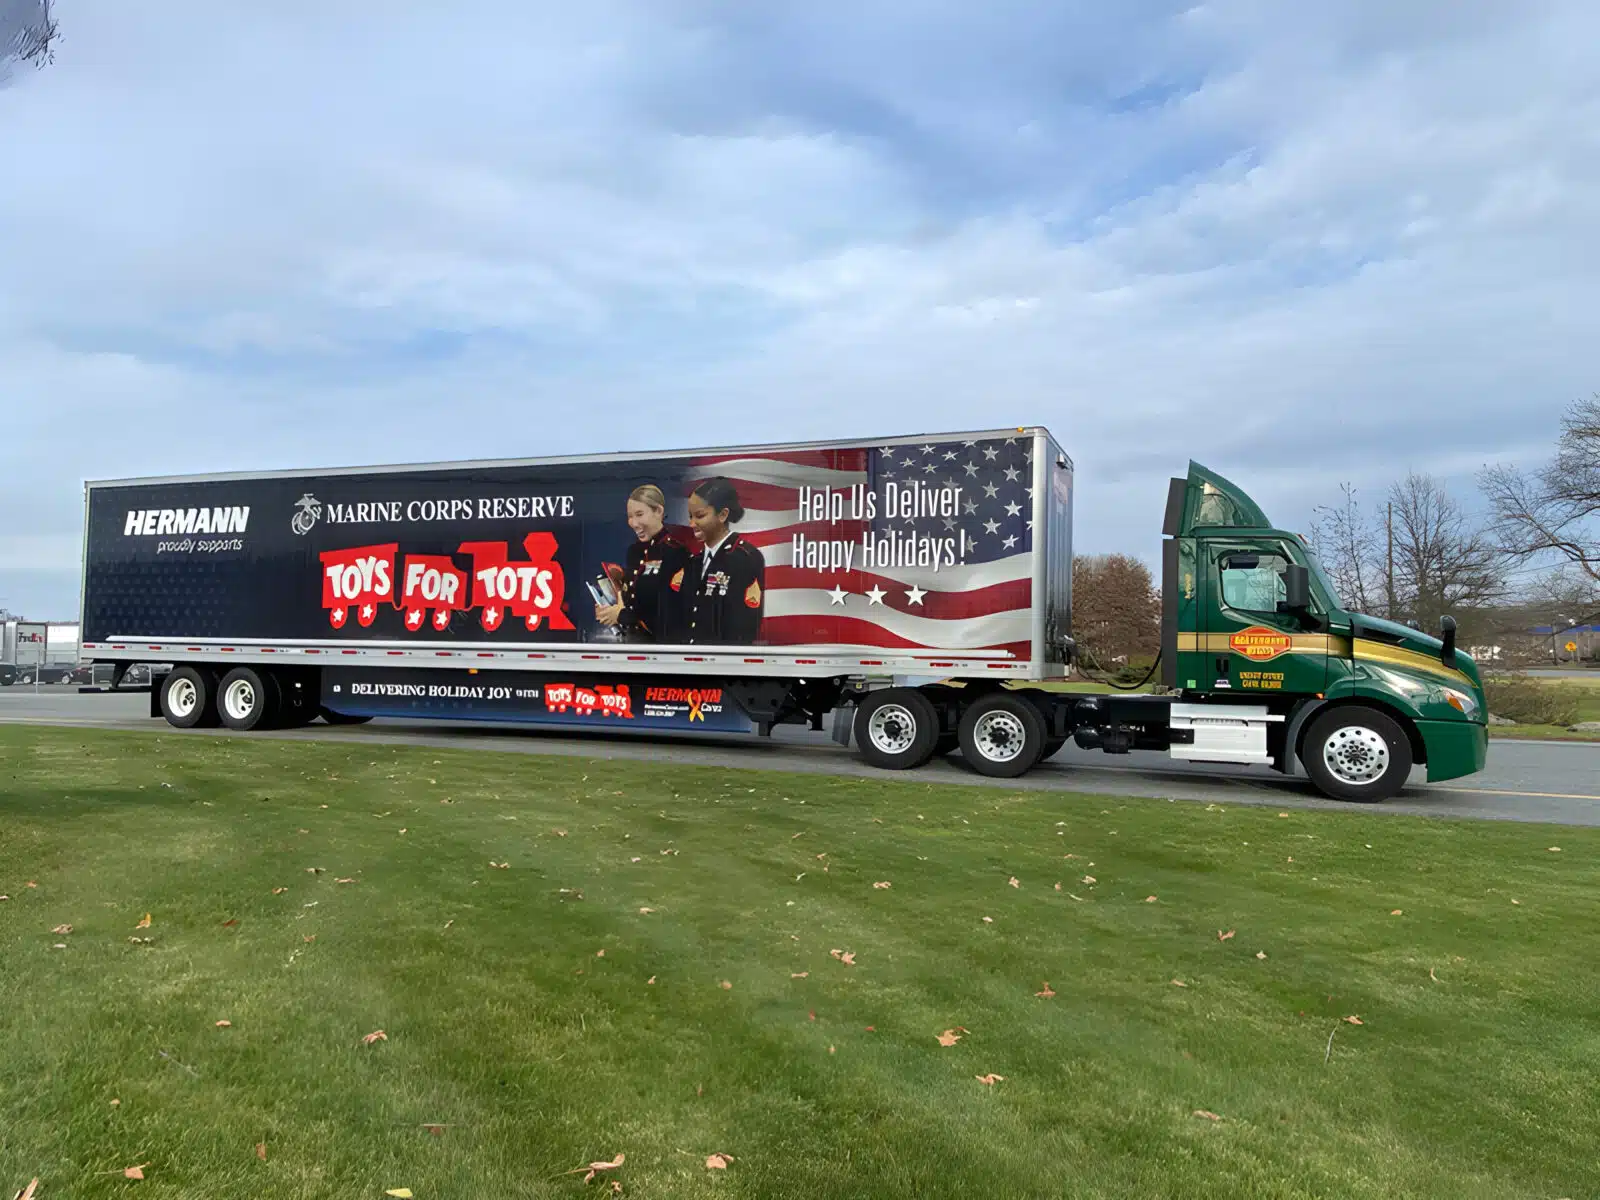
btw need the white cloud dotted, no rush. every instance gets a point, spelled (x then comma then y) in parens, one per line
(1300, 245)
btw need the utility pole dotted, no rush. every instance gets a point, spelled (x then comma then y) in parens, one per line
(1389, 586)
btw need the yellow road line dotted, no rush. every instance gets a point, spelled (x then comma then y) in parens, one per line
(1445, 787)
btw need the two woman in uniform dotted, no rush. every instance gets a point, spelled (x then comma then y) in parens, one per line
(670, 596)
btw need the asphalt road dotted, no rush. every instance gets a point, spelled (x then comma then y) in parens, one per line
(1557, 782)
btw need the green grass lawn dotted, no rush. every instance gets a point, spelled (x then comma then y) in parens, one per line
(311, 894)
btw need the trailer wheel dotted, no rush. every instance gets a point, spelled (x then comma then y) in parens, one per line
(189, 698)
(338, 718)
(1002, 735)
(247, 699)
(1357, 754)
(897, 729)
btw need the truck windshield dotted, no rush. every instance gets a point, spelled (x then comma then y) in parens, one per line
(1321, 578)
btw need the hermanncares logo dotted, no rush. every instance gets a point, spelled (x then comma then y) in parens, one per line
(170, 522)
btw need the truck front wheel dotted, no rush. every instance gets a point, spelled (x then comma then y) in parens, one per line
(1002, 735)
(189, 698)
(897, 729)
(1357, 754)
(247, 699)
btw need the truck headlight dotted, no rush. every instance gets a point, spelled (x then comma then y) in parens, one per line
(1462, 702)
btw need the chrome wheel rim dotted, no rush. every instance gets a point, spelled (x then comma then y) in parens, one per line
(892, 729)
(183, 697)
(239, 699)
(999, 736)
(1356, 755)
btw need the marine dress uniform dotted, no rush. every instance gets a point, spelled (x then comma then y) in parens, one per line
(722, 594)
(651, 610)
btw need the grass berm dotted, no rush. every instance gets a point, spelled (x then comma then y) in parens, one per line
(1198, 959)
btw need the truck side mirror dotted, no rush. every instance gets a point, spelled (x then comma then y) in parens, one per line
(1296, 588)
(1447, 631)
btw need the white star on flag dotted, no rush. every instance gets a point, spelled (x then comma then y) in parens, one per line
(927, 449)
(1010, 541)
(991, 491)
(972, 469)
(1013, 509)
(837, 595)
(875, 596)
(1012, 474)
(991, 525)
(916, 594)
(949, 455)
(991, 453)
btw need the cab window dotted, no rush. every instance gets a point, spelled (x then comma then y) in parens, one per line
(1253, 582)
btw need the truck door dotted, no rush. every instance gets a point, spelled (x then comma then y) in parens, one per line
(1254, 646)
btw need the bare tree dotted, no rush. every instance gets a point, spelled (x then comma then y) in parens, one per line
(28, 34)
(1116, 609)
(1349, 544)
(1442, 562)
(1554, 511)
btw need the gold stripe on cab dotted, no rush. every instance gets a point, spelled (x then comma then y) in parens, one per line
(1365, 650)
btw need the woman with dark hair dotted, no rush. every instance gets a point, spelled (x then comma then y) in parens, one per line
(722, 585)
(647, 609)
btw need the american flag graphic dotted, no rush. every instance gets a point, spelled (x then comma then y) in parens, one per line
(968, 504)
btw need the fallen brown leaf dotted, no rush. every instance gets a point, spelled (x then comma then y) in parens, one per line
(718, 1162)
(116, 1103)
(990, 1079)
(1149, 899)
(595, 1167)
(652, 979)
(135, 1172)
(1555, 849)
(499, 866)
(310, 937)
(1210, 1116)
(31, 884)
(224, 1024)
(988, 920)
(616, 1187)
(398, 1193)
(1179, 983)
(600, 953)
(881, 886)
(949, 1037)
(1047, 993)
(1222, 937)
(27, 1192)
(646, 910)
(230, 922)
(1261, 953)
(799, 974)
(1058, 887)
(1432, 976)
(1088, 879)
(1013, 882)
(261, 1151)
(144, 924)
(62, 929)
(344, 880)
(279, 891)
(1396, 912)
(377, 1035)
(1354, 1021)
(435, 1130)
(725, 986)
(315, 870)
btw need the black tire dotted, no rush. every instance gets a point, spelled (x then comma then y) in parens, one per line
(189, 698)
(337, 718)
(896, 729)
(1002, 735)
(248, 699)
(1357, 754)
(1052, 747)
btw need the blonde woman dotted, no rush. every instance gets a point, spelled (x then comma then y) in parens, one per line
(648, 607)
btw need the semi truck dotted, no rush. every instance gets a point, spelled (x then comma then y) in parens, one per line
(913, 594)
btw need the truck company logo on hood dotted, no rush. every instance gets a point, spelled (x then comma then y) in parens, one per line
(1259, 643)
(171, 522)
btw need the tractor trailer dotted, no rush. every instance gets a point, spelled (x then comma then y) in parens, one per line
(914, 593)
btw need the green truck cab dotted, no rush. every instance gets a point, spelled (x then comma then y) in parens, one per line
(1250, 618)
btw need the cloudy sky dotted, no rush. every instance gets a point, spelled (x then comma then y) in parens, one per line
(1301, 243)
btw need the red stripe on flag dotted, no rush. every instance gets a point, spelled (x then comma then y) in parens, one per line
(830, 460)
(943, 606)
(853, 631)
